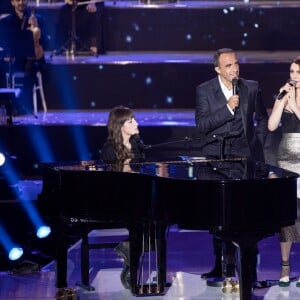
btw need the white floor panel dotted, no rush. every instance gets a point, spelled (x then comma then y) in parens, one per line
(288, 293)
(185, 286)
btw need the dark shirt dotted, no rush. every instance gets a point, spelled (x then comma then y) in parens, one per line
(108, 154)
(17, 40)
(19, 52)
(290, 123)
(5, 7)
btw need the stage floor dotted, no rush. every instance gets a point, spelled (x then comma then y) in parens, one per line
(169, 117)
(179, 3)
(193, 57)
(189, 253)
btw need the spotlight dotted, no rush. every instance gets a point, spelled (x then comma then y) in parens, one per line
(15, 253)
(8, 176)
(43, 232)
(2, 159)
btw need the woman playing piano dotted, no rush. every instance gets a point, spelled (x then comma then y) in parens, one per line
(123, 146)
(123, 143)
(286, 112)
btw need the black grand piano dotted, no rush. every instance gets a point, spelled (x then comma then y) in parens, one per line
(237, 199)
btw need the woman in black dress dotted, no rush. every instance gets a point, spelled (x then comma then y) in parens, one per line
(286, 115)
(122, 147)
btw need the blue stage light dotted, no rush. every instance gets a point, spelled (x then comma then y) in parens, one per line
(15, 253)
(2, 159)
(43, 232)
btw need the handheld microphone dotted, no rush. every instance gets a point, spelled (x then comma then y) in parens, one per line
(235, 86)
(284, 92)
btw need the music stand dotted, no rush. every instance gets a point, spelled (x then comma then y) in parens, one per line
(70, 44)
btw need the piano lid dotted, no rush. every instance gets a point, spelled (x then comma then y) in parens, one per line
(188, 168)
(233, 194)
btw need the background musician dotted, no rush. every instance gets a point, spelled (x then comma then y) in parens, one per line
(5, 8)
(221, 109)
(25, 39)
(87, 32)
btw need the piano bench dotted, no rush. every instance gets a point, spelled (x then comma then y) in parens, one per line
(85, 258)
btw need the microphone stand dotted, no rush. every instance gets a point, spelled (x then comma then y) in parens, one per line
(221, 141)
(73, 32)
(219, 137)
(189, 139)
(10, 69)
(70, 45)
(186, 139)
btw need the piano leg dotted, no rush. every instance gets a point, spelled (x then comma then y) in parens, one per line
(245, 281)
(85, 278)
(61, 256)
(161, 257)
(246, 259)
(247, 253)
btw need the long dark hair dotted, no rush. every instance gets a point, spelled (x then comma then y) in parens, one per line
(296, 60)
(116, 119)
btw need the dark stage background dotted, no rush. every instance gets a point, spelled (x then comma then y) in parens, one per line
(155, 57)
(140, 67)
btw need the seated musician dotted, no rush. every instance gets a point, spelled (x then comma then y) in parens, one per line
(5, 9)
(23, 33)
(88, 25)
(122, 147)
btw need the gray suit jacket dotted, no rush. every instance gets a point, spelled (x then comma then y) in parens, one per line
(212, 115)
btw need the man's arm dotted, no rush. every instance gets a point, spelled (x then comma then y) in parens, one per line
(210, 113)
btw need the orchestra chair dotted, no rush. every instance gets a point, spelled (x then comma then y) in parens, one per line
(16, 81)
(7, 99)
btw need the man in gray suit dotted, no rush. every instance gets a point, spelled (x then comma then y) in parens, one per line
(221, 111)
(230, 115)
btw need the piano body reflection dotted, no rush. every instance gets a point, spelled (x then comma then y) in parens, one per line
(237, 199)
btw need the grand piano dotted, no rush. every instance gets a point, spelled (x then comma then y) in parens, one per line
(237, 199)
